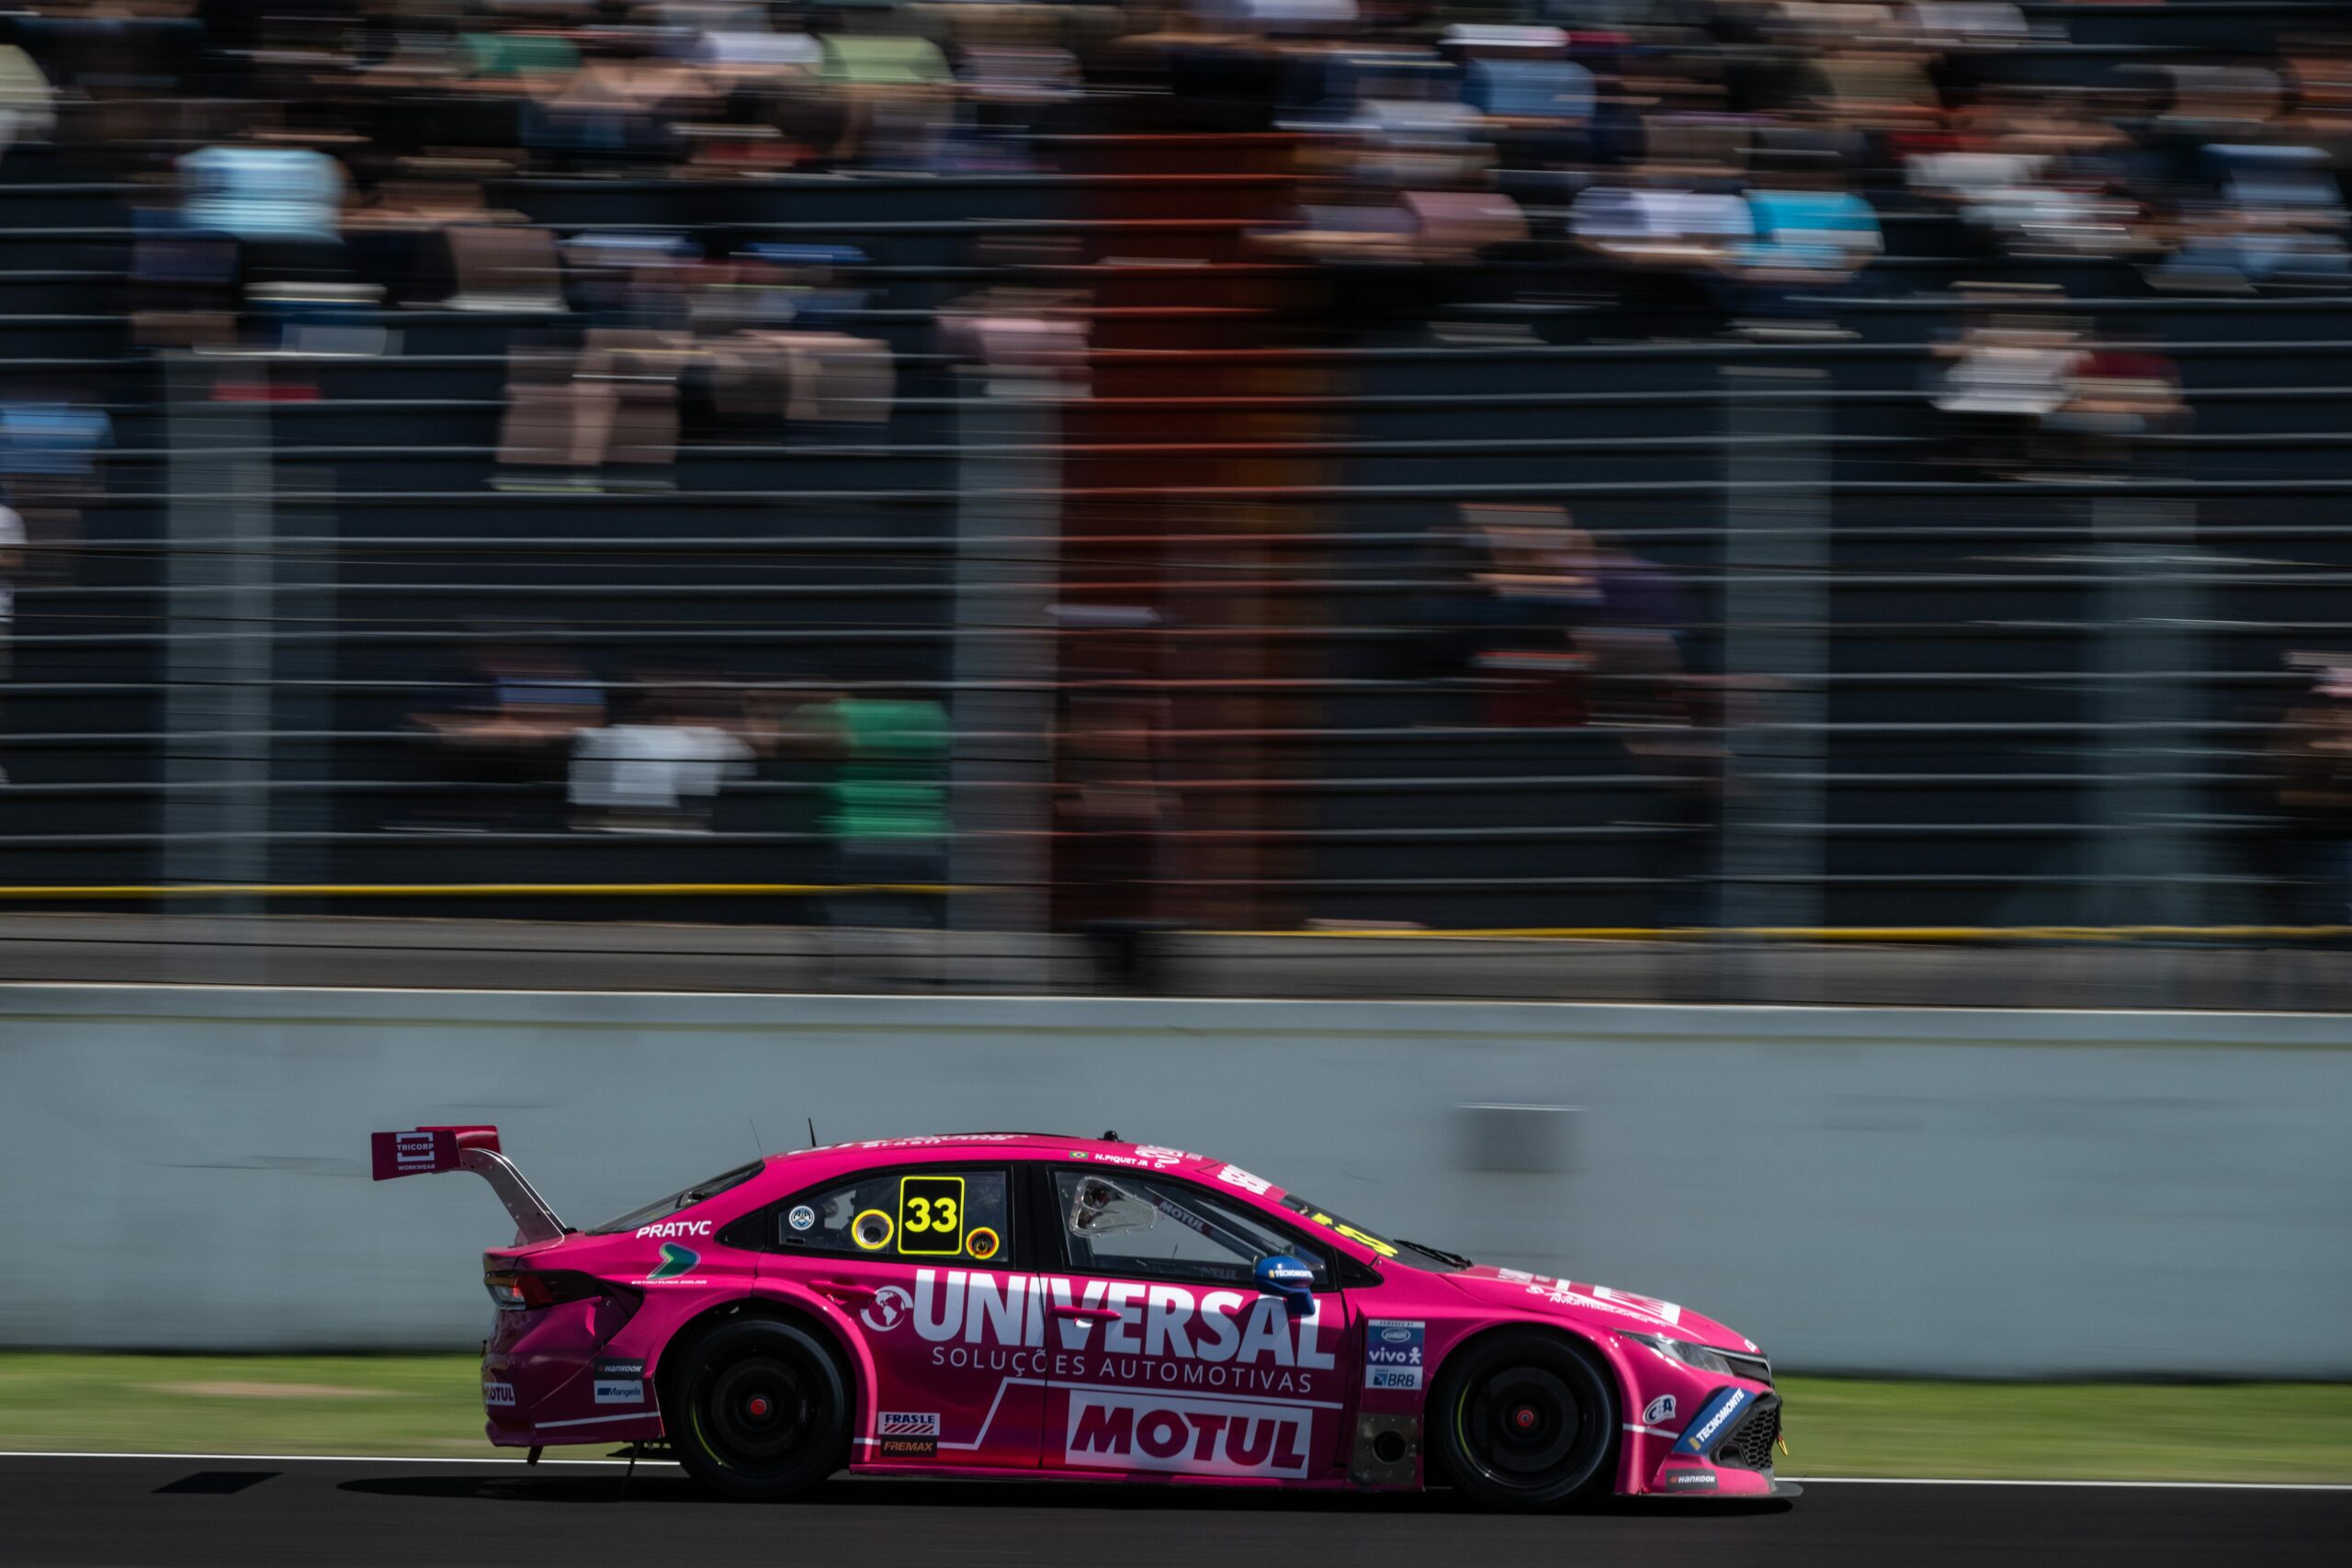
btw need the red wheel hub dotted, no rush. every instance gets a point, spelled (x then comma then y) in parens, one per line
(760, 1405)
(1522, 1418)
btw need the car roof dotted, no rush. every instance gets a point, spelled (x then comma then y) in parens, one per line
(999, 1145)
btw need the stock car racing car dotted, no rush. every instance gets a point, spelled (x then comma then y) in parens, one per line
(1017, 1304)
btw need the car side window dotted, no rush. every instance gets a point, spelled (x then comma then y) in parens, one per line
(1125, 1223)
(916, 1215)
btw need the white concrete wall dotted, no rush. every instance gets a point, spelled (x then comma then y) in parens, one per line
(1954, 1193)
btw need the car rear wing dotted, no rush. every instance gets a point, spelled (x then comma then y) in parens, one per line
(428, 1151)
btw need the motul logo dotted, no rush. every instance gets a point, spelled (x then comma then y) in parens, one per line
(1201, 1437)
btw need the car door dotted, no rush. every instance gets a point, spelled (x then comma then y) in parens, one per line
(923, 1259)
(1166, 1358)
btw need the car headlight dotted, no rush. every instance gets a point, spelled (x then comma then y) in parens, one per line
(1705, 1359)
(1695, 1356)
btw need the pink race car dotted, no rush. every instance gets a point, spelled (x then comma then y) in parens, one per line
(1016, 1303)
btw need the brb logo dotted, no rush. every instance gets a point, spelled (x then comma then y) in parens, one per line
(1204, 1436)
(891, 1305)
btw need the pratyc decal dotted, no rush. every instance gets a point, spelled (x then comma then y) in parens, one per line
(675, 1227)
(1225, 1339)
(1201, 1437)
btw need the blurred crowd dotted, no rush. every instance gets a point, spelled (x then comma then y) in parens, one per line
(1699, 162)
(1691, 165)
(303, 174)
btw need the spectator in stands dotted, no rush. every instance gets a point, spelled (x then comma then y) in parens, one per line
(2308, 852)
(279, 200)
(659, 770)
(885, 804)
(2268, 217)
(1998, 381)
(506, 742)
(1632, 629)
(27, 107)
(1110, 811)
(2116, 394)
(888, 816)
(12, 564)
(48, 456)
(1813, 235)
(1529, 598)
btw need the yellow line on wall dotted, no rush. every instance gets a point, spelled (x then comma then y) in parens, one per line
(469, 889)
(1804, 933)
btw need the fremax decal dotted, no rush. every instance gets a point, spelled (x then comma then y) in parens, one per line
(1166, 1334)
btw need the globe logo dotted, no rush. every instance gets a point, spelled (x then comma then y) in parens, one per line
(891, 1305)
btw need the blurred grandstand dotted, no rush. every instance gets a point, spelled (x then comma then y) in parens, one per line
(1156, 481)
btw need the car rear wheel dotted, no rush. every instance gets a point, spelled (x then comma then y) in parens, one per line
(1524, 1421)
(761, 1411)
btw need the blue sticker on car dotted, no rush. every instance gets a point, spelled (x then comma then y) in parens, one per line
(1393, 1353)
(1713, 1421)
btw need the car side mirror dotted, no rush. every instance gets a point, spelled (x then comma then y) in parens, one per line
(1288, 1278)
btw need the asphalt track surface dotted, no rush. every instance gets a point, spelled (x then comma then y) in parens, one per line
(80, 1510)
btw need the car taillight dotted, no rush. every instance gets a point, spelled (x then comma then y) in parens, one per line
(523, 1289)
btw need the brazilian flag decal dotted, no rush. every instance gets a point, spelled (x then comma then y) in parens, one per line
(675, 1260)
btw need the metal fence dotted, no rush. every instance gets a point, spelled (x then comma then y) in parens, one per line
(1259, 628)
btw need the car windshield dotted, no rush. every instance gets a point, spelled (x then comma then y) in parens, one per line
(684, 1198)
(1413, 1255)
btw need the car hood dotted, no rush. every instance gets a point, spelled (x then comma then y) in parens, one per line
(1596, 1306)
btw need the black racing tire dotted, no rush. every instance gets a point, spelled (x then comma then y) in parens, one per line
(1523, 1419)
(760, 1411)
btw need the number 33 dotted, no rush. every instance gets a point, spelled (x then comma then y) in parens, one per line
(920, 1217)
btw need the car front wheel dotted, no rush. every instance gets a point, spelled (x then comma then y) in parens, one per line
(761, 1411)
(1524, 1421)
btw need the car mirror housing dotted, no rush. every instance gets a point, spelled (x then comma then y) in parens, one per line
(1288, 1278)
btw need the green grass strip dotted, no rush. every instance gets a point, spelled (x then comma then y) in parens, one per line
(430, 1406)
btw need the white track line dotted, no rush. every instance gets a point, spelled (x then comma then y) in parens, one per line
(2144, 1485)
(7, 1454)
